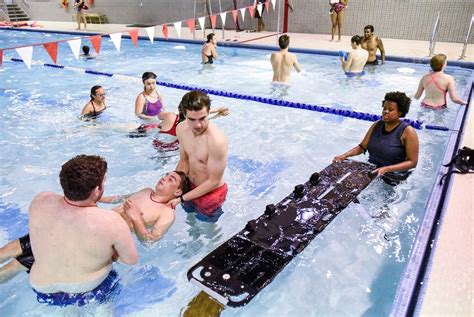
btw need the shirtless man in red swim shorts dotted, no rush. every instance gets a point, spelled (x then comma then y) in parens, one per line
(203, 157)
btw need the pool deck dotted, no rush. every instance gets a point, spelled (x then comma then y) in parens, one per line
(450, 289)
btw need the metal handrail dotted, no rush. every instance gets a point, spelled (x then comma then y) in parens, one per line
(433, 35)
(5, 15)
(223, 24)
(466, 39)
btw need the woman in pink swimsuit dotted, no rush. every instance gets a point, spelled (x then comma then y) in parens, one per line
(436, 85)
(337, 17)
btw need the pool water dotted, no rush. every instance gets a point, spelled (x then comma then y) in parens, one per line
(351, 268)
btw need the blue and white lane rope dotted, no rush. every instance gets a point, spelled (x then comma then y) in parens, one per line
(274, 102)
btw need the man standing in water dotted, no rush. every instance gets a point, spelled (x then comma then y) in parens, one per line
(283, 61)
(203, 157)
(74, 242)
(372, 43)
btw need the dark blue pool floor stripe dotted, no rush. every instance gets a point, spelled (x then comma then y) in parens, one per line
(271, 101)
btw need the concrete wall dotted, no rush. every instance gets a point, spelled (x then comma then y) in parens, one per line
(401, 19)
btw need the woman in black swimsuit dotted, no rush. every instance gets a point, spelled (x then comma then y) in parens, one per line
(96, 105)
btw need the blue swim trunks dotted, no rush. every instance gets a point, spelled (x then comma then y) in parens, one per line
(353, 74)
(102, 293)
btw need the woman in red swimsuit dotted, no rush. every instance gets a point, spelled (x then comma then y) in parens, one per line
(436, 85)
(337, 16)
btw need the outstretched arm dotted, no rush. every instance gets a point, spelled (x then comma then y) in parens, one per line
(219, 112)
(453, 93)
(296, 65)
(357, 150)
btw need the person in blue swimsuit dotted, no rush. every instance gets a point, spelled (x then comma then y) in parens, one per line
(149, 103)
(392, 144)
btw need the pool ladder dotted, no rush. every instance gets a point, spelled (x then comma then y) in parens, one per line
(433, 35)
(466, 39)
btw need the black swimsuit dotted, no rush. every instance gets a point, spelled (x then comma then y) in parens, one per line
(95, 113)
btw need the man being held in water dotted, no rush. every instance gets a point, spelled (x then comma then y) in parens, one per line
(203, 157)
(145, 212)
(283, 61)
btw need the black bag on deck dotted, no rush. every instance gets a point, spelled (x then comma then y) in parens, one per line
(463, 163)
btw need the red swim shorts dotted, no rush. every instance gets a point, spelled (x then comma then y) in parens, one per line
(210, 202)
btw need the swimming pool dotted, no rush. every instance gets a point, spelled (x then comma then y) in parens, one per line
(352, 268)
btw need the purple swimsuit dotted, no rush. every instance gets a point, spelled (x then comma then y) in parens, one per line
(152, 108)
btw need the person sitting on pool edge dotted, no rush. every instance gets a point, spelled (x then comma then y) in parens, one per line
(96, 105)
(436, 85)
(392, 144)
(354, 65)
(145, 212)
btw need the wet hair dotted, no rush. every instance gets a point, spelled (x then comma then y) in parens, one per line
(369, 27)
(94, 91)
(146, 76)
(81, 174)
(437, 62)
(185, 185)
(401, 99)
(85, 49)
(195, 100)
(284, 41)
(209, 37)
(356, 39)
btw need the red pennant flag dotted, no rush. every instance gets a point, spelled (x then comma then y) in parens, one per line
(191, 25)
(1, 57)
(52, 49)
(134, 36)
(267, 4)
(251, 10)
(96, 40)
(234, 15)
(213, 21)
(165, 31)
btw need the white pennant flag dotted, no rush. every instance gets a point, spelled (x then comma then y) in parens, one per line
(242, 13)
(223, 14)
(75, 46)
(26, 54)
(116, 39)
(202, 22)
(151, 33)
(273, 2)
(177, 26)
(260, 8)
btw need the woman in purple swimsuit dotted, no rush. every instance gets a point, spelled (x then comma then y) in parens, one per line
(149, 103)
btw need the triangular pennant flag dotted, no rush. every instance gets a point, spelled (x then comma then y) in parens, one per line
(134, 36)
(234, 15)
(52, 49)
(251, 11)
(223, 15)
(96, 40)
(75, 46)
(26, 54)
(177, 26)
(260, 8)
(116, 39)
(165, 31)
(267, 4)
(273, 3)
(242, 14)
(151, 33)
(202, 22)
(1, 57)
(213, 21)
(191, 25)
